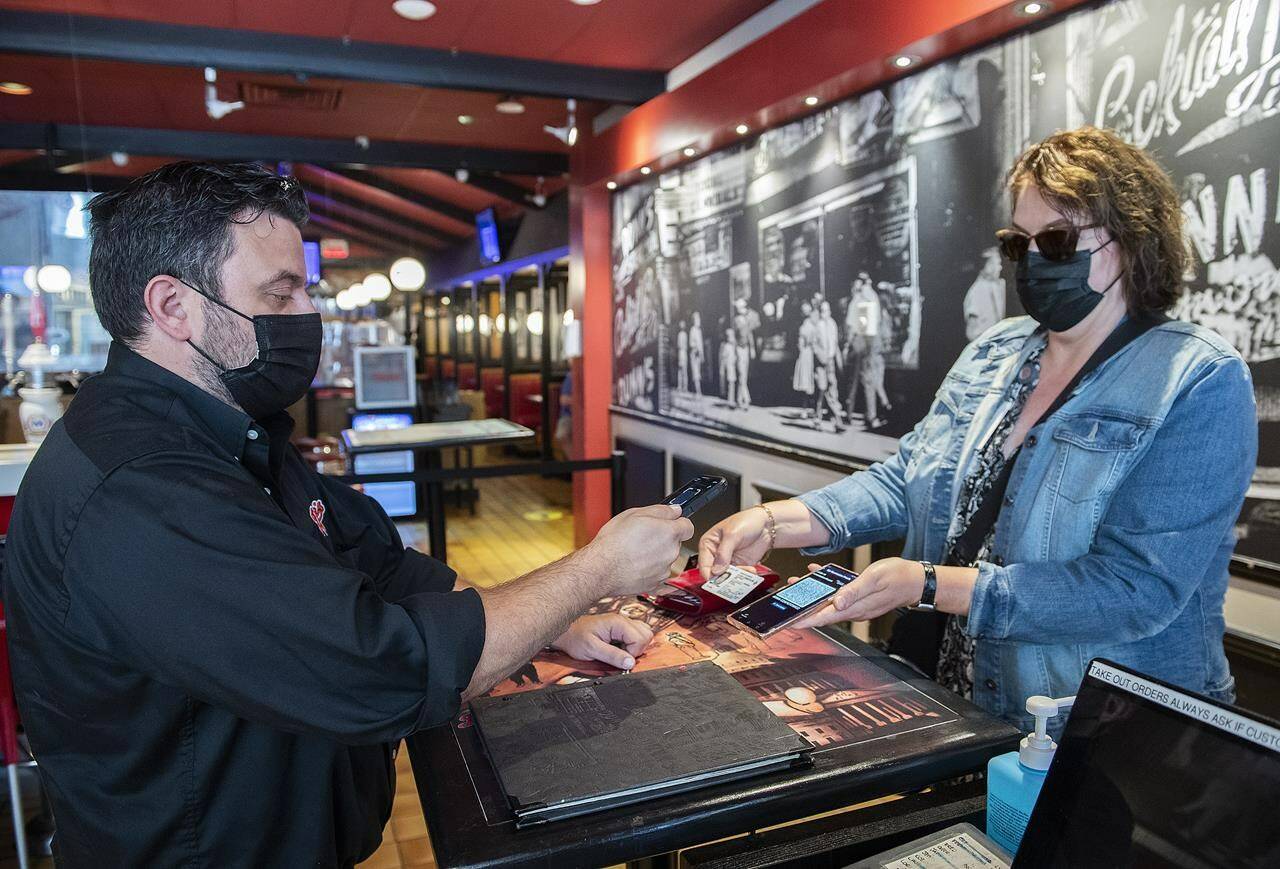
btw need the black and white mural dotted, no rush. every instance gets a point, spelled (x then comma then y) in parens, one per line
(809, 289)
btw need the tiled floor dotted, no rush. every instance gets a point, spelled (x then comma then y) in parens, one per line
(516, 529)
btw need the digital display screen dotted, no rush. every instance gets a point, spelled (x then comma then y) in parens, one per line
(397, 499)
(381, 421)
(384, 377)
(1146, 775)
(807, 591)
(776, 610)
(311, 256)
(487, 230)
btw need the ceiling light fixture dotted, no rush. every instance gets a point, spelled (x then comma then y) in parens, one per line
(461, 175)
(466, 120)
(645, 170)
(408, 274)
(902, 61)
(53, 279)
(742, 129)
(611, 185)
(509, 105)
(585, 2)
(1029, 10)
(569, 132)
(378, 287)
(15, 88)
(689, 152)
(217, 109)
(414, 10)
(810, 101)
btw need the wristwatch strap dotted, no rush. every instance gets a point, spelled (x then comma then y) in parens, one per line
(930, 593)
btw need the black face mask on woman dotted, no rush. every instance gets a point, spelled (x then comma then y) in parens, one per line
(288, 355)
(1056, 293)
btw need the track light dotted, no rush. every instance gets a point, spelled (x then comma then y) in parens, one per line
(568, 134)
(217, 109)
(414, 10)
(509, 105)
(1030, 10)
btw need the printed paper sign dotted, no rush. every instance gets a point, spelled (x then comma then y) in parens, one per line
(958, 852)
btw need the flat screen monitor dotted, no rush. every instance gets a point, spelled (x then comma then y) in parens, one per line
(381, 421)
(1149, 775)
(397, 499)
(487, 232)
(311, 256)
(384, 378)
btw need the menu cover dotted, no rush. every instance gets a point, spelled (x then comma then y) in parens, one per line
(572, 749)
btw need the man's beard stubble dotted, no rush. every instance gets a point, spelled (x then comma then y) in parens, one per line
(226, 342)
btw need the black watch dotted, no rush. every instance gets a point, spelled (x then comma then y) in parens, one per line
(930, 593)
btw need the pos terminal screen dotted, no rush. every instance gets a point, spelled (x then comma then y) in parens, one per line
(1149, 775)
(807, 591)
(776, 610)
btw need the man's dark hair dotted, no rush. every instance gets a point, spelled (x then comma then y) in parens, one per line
(176, 221)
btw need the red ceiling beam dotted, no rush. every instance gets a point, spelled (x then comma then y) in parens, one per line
(341, 229)
(836, 49)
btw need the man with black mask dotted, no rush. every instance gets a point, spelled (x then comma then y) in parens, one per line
(216, 650)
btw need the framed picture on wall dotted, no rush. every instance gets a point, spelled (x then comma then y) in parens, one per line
(869, 225)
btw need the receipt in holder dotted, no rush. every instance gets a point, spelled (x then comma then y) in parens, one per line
(733, 585)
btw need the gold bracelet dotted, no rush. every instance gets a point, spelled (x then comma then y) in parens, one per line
(771, 527)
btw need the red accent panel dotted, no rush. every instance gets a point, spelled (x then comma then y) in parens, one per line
(844, 46)
(524, 411)
(8, 705)
(466, 375)
(491, 381)
(654, 34)
(590, 297)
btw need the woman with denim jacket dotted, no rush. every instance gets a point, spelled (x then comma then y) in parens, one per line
(1115, 529)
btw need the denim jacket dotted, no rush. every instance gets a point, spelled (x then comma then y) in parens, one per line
(1117, 527)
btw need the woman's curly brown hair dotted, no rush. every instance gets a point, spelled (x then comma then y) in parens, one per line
(1095, 175)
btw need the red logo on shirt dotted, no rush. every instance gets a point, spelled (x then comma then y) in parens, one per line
(317, 515)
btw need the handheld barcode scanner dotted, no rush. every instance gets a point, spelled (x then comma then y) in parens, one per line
(696, 494)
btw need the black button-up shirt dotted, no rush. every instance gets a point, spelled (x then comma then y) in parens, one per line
(214, 647)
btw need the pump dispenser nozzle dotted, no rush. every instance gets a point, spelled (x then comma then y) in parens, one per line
(1037, 748)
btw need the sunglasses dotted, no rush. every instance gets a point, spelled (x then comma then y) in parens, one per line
(1053, 244)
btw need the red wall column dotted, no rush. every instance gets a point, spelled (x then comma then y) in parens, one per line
(590, 285)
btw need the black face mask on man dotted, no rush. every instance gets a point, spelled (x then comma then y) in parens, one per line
(1056, 293)
(288, 355)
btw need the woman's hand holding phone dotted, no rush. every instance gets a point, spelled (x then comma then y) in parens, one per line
(885, 585)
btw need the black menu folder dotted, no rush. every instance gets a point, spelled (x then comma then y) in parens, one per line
(573, 749)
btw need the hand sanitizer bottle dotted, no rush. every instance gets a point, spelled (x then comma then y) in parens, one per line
(1014, 779)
